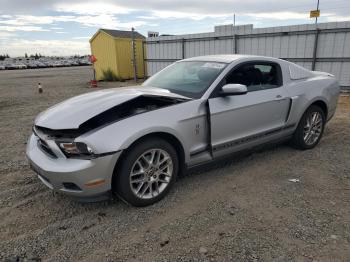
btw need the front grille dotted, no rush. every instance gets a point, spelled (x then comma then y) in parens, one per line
(56, 134)
(45, 148)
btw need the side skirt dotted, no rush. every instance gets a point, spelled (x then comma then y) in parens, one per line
(251, 138)
(235, 154)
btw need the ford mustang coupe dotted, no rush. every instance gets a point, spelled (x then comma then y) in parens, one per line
(133, 142)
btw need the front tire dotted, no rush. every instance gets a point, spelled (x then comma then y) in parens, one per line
(310, 128)
(147, 172)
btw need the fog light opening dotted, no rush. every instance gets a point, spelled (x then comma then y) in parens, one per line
(71, 186)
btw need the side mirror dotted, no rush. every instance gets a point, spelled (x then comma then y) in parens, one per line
(233, 90)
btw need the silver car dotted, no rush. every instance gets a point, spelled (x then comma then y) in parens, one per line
(134, 142)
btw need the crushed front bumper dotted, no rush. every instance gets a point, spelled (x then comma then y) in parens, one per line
(79, 178)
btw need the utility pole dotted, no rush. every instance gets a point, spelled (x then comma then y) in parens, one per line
(318, 5)
(317, 31)
(133, 48)
(234, 20)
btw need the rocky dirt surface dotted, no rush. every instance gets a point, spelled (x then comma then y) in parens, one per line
(246, 208)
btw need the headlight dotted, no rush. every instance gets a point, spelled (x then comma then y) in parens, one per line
(76, 149)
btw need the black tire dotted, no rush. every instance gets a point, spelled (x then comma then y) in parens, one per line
(121, 182)
(298, 140)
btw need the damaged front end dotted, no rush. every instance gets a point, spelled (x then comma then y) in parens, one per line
(64, 138)
(138, 105)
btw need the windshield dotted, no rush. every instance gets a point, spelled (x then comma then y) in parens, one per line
(187, 78)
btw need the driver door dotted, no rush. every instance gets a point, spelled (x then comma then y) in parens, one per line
(242, 121)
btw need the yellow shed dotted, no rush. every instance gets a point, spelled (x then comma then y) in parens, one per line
(113, 51)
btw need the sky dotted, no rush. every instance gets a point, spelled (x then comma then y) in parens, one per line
(64, 27)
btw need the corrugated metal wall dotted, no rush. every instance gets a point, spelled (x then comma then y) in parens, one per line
(294, 43)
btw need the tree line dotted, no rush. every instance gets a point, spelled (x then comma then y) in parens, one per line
(36, 56)
(2, 57)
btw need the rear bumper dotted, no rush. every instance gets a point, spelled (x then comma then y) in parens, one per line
(71, 176)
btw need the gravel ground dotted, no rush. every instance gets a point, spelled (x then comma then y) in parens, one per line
(241, 209)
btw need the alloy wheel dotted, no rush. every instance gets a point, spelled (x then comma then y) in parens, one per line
(151, 173)
(313, 128)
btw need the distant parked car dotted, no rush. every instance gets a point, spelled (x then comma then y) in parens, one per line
(2, 67)
(40, 64)
(84, 62)
(10, 66)
(135, 141)
(31, 64)
(20, 66)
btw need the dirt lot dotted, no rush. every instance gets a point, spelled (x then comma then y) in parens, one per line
(243, 209)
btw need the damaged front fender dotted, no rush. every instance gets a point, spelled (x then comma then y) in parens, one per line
(130, 108)
(175, 120)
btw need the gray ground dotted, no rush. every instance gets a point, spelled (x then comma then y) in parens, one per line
(242, 209)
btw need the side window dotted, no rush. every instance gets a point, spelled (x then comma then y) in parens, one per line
(256, 76)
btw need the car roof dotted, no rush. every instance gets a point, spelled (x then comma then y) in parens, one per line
(229, 58)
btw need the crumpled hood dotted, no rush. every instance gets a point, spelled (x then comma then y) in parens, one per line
(71, 113)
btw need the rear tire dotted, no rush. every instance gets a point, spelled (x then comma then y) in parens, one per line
(147, 172)
(310, 128)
